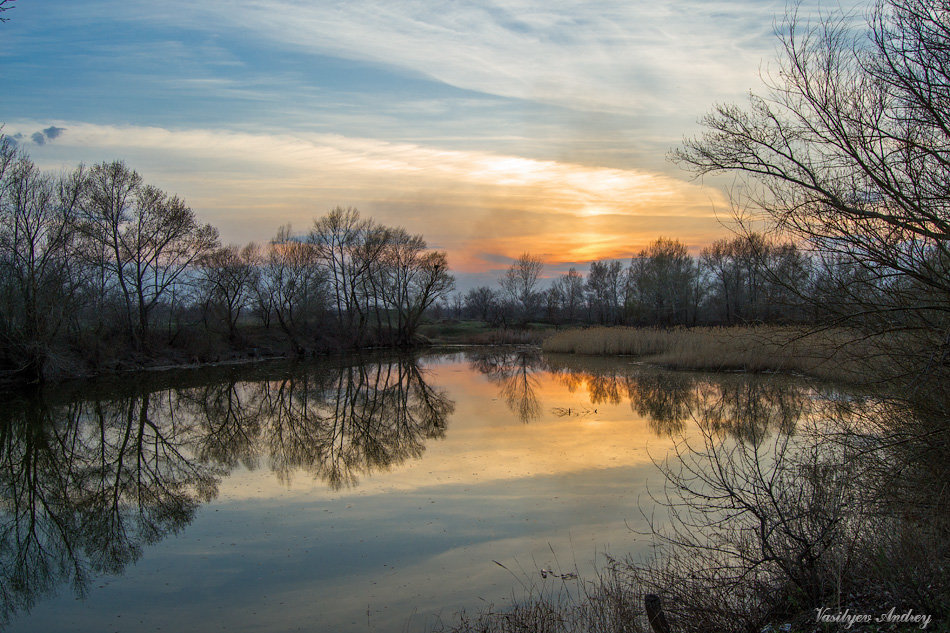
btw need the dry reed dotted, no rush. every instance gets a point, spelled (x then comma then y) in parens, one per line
(830, 354)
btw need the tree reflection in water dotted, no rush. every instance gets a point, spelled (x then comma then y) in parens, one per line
(513, 370)
(333, 423)
(87, 483)
(85, 486)
(747, 407)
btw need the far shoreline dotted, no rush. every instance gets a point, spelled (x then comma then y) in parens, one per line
(824, 355)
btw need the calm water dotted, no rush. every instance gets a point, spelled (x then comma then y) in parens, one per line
(347, 495)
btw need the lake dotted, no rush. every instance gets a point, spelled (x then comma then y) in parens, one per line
(375, 493)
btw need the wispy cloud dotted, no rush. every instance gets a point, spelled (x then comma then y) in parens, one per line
(616, 82)
(612, 55)
(618, 56)
(491, 126)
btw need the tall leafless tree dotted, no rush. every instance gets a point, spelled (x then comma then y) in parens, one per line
(662, 284)
(148, 240)
(520, 283)
(295, 285)
(228, 276)
(38, 282)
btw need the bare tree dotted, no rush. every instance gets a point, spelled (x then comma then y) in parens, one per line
(414, 279)
(849, 151)
(606, 289)
(290, 275)
(752, 278)
(337, 237)
(481, 303)
(520, 282)
(571, 288)
(39, 285)
(149, 240)
(662, 284)
(228, 275)
(109, 198)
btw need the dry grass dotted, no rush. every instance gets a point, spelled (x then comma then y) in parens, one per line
(829, 354)
(606, 604)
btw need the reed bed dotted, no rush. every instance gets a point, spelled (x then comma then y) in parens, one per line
(830, 354)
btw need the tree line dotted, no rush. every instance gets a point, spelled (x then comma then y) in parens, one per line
(744, 279)
(99, 269)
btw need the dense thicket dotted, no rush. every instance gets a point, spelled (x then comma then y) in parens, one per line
(99, 269)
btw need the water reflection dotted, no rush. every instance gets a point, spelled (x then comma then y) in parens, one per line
(743, 406)
(90, 479)
(515, 371)
(334, 424)
(86, 484)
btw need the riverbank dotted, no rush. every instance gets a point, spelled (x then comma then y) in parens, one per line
(829, 354)
(191, 348)
(472, 332)
(836, 355)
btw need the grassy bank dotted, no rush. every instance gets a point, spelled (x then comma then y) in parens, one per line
(830, 354)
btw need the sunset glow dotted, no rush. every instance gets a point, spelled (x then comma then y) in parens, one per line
(490, 128)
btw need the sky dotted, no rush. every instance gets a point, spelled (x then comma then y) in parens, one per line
(491, 127)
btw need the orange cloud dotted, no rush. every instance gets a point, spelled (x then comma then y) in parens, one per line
(468, 203)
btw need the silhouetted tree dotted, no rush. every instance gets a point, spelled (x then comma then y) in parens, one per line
(481, 303)
(412, 279)
(228, 276)
(662, 285)
(606, 290)
(751, 278)
(148, 240)
(295, 284)
(571, 289)
(848, 152)
(39, 276)
(520, 284)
